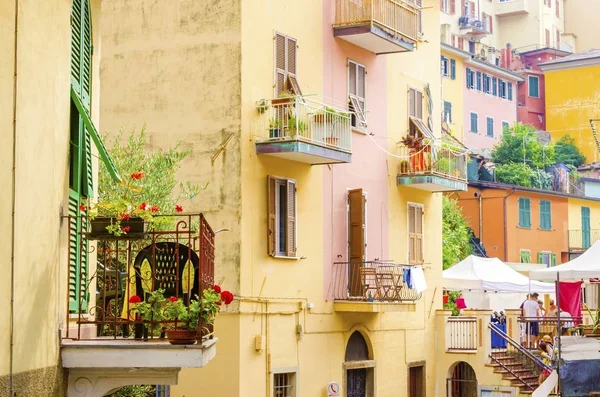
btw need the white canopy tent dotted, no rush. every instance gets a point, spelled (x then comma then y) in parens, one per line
(489, 274)
(584, 267)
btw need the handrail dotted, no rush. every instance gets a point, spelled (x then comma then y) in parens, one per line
(516, 345)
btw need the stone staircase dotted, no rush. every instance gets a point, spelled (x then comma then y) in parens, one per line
(514, 372)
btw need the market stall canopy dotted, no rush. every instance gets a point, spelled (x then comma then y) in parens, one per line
(489, 274)
(584, 267)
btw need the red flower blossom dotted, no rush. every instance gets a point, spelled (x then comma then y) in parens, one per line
(217, 288)
(226, 297)
(125, 216)
(137, 175)
(143, 206)
(135, 299)
(82, 208)
(154, 209)
(178, 208)
(126, 228)
(173, 299)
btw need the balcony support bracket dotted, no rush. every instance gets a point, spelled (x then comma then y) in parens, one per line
(97, 382)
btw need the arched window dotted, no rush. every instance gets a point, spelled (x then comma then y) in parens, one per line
(357, 349)
(462, 381)
(359, 377)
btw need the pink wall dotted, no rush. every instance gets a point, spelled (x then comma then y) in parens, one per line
(533, 112)
(368, 169)
(485, 105)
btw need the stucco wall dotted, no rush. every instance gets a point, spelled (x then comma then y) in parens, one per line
(572, 98)
(534, 107)
(579, 20)
(452, 91)
(40, 178)
(487, 105)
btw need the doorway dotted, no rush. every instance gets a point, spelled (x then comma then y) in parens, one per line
(360, 369)
(462, 381)
(416, 381)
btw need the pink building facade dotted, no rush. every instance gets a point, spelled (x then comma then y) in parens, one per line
(490, 104)
(531, 96)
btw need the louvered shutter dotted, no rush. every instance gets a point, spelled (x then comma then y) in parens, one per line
(452, 7)
(552, 259)
(419, 104)
(356, 240)
(291, 218)
(412, 243)
(280, 64)
(292, 65)
(510, 86)
(411, 102)
(78, 257)
(271, 233)
(453, 69)
(418, 234)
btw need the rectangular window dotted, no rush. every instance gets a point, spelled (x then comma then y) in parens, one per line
(534, 86)
(510, 88)
(494, 86)
(478, 81)
(474, 122)
(490, 127)
(445, 67)
(415, 103)
(547, 38)
(502, 88)
(545, 215)
(524, 212)
(445, 6)
(486, 84)
(286, 61)
(453, 69)
(453, 40)
(357, 91)
(419, 4)
(461, 43)
(505, 126)
(284, 385)
(281, 229)
(447, 112)
(357, 239)
(525, 256)
(470, 78)
(415, 233)
(453, 7)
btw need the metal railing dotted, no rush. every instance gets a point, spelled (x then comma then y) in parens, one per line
(462, 332)
(376, 281)
(128, 269)
(301, 119)
(515, 362)
(580, 240)
(468, 22)
(529, 326)
(398, 18)
(433, 159)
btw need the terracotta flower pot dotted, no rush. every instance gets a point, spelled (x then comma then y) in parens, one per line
(331, 141)
(587, 331)
(181, 336)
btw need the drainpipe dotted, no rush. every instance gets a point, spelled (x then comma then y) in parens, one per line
(480, 218)
(13, 205)
(505, 232)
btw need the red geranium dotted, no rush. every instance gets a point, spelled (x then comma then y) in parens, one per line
(126, 228)
(82, 208)
(217, 288)
(143, 206)
(135, 299)
(154, 209)
(137, 175)
(178, 208)
(173, 299)
(226, 297)
(125, 216)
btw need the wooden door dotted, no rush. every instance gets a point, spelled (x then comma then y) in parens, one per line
(356, 241)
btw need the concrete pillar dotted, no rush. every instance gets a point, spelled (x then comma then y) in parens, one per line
(513, 328)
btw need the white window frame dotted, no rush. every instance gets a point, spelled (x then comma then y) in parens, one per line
(281, 181)
(422, 206)
(361, 118)
(489, 84)
(348, 223)
(446, 6)
(445, 66)
(487, 118)
(290, 371)
(470, 122)
(529, 85)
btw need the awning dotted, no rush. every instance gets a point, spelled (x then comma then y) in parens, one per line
(89, 125)
(422, 128)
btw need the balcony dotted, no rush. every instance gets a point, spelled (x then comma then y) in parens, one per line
(581, 240)
(107, 342)
(433, 166)
(371, 287)
(508, 8)
(379, 26)
(472, 27)
(303, 130)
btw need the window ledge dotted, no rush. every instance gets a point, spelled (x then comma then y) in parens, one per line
(524, 227)
(359, 130)
(545, 230)
(285, 257)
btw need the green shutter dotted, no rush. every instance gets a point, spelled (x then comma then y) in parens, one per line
(524, 212)
(585, 227)
(545, 215)
(540, 257)
(78, 256)
(510, 91)
(81, 50)
(453, 69)
(552, 259)
(525, 256)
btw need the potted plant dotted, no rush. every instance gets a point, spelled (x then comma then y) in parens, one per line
(404, 167)
(262, 106)
(275, 128)
(150, 311)
(285, 97)
(296, 125)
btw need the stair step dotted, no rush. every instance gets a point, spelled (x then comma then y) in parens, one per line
(520, 384)
(500, 370)
(526, 377)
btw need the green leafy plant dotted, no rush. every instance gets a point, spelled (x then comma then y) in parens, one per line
(148, 187)
(595, 325)
(151, 310)
(262, 106)
(456, 233)
(565, 151)
(515, 174)
(276, 124)
(286, 94)
(520, 142)
(134, 391)
(541, 180)
(293, 123)
(451, 304)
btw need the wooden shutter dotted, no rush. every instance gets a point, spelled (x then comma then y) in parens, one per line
(452, 7)
(478, 81)
(472, 8)
(411, 102)
(419, 17)
(291, 219)
(271, 233)
(547, 38)
(463, 10)
(557, 8)
(419, 104)
(356, 234)
(357, 89)
(494, 86)
(280, 64)
(415, 234)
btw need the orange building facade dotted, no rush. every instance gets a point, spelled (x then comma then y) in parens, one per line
(517, 224)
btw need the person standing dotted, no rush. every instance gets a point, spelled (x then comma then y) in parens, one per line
(531, 312)
(552, 309)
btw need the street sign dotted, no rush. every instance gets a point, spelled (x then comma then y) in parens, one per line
(333, 389)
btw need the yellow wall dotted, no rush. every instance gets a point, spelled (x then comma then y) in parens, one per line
(580, 22)
(452, 91)
(40, 189)
(575, 213)
(572, 98)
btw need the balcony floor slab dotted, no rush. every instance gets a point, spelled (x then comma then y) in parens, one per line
(303, 152)
(373, 307)
(373, 38)
(432, 183)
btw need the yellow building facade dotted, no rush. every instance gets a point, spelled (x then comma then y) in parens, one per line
(572, 86)
(453, 82)
(580, 32)
(283, 180)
